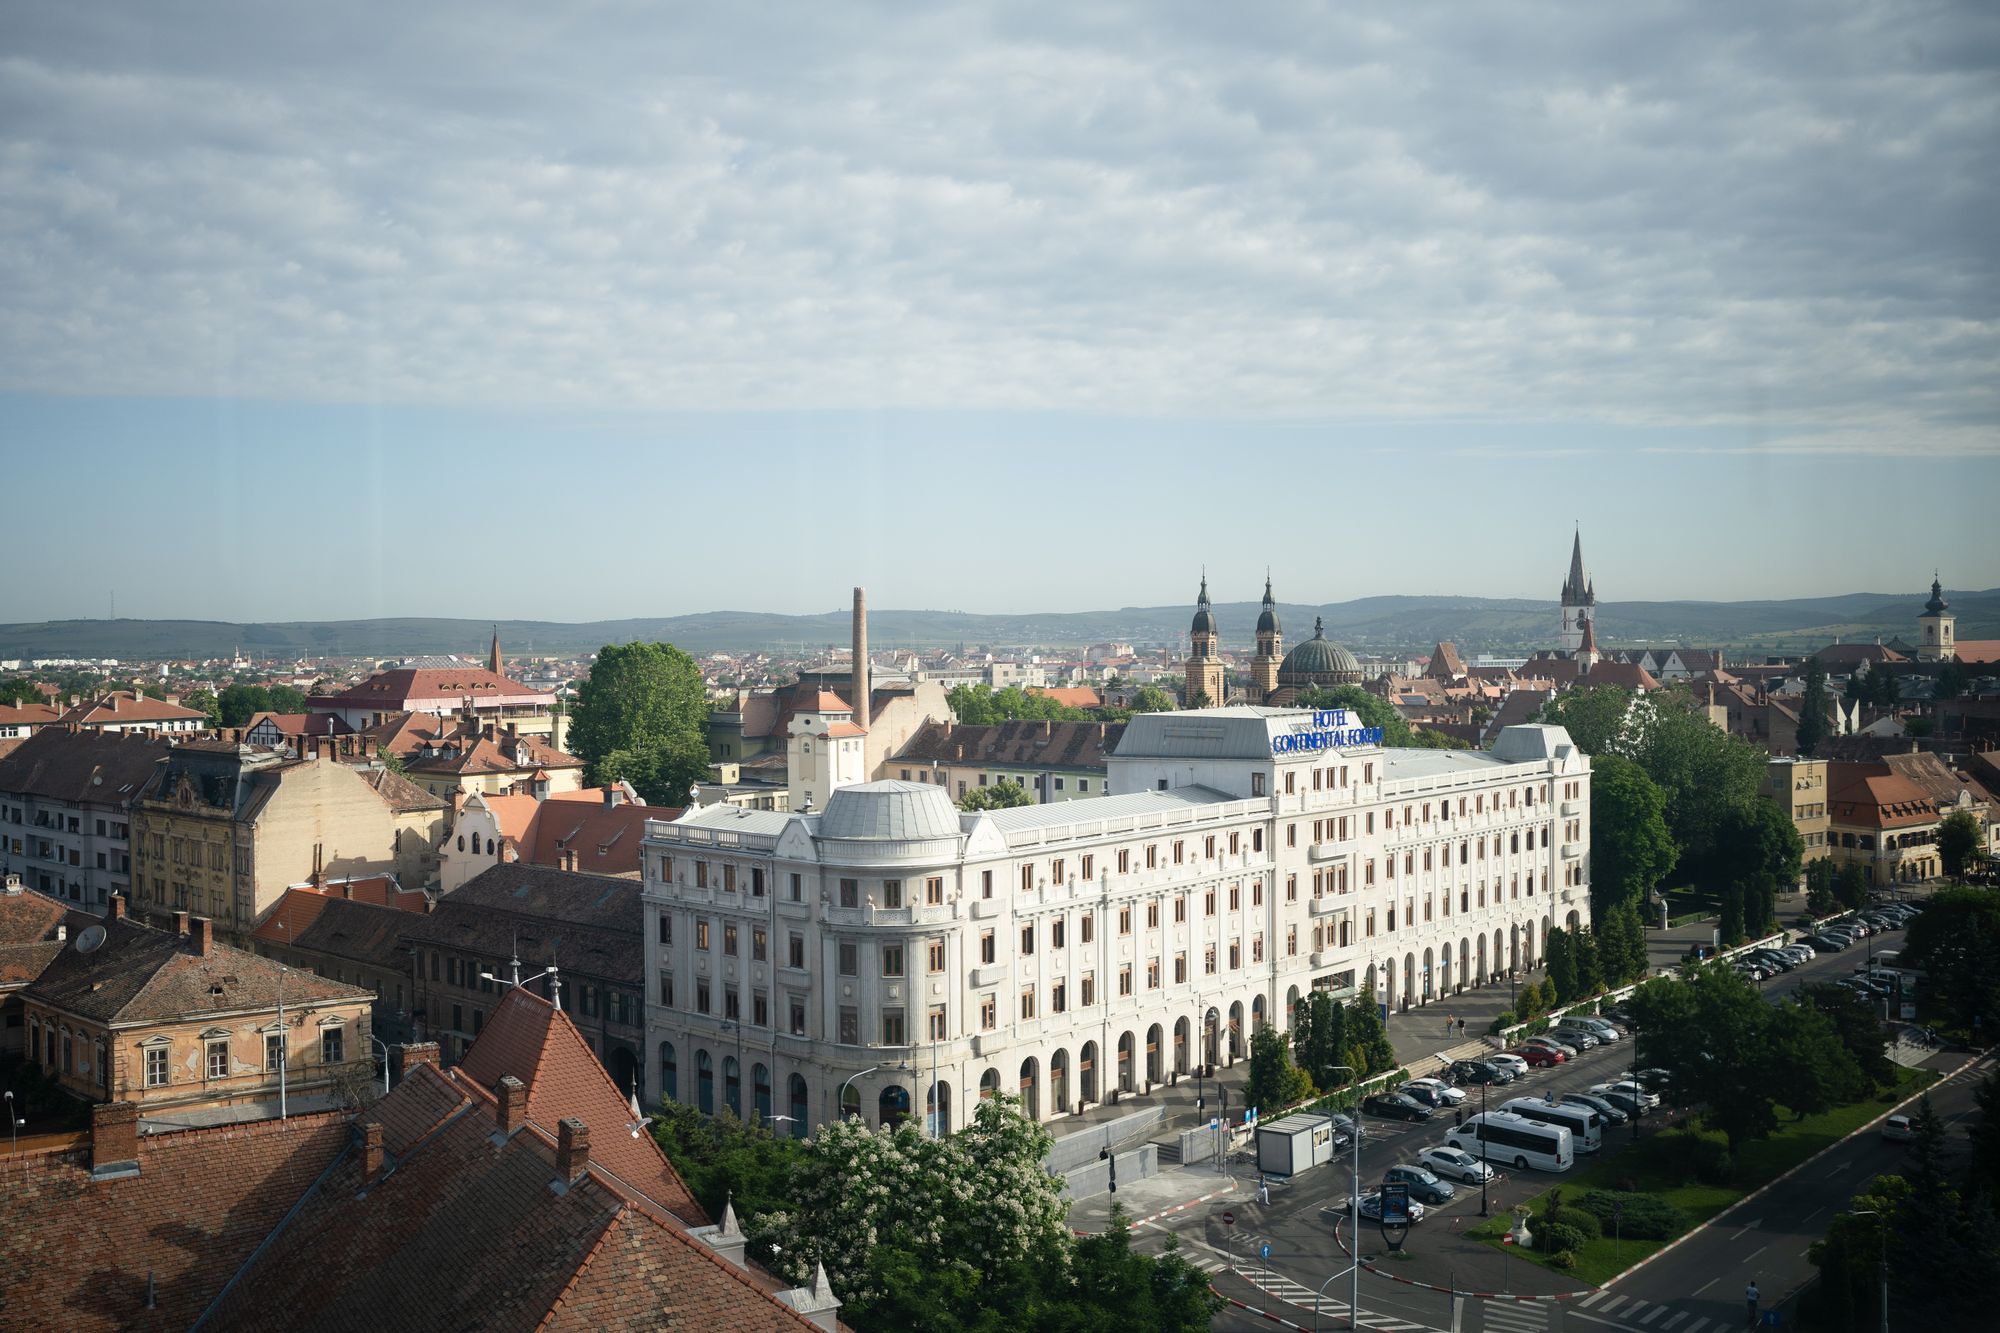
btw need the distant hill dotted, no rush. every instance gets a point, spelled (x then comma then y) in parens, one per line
(1369, 625)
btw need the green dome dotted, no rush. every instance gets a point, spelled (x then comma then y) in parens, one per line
(1319, 661)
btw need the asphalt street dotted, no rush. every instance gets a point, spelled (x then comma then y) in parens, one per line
(1695, 1288)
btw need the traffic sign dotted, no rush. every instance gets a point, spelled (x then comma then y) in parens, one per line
(1228, 1219)
(1264, 1250)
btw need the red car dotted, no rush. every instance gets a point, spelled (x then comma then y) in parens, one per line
(1539, 1055)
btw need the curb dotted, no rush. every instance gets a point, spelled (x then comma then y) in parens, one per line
(1775, 1180)
(1279, 1320)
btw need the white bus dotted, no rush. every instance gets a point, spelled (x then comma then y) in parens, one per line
(1516, 1141)
(1585, 1126)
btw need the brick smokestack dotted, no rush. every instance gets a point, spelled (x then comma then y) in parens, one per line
(371, 1152)
(513, 1108)
(202, 933)
(114, 1140)
(860, 700)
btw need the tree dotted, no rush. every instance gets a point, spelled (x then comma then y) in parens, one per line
(19, 690)
(1854, 1020)
(1956, 940)
(983, 705)
(203, 701)
(1705, 773)
(1559, 957)
(1590, 974)
(1153, 699)
(1367, 1036)
(1852, 887)
(1630, 847)
(1807, 1059)
(1949, 682)
(1958, 840)
(1274, 1082)
(1709, 1030)
(1812, 709)
(1002, 795)
(1821, 878)
(1986, 1138)
(237, 704)
(1595, 718)
(642, 715)
(1319, 1036)
(1851, 1256)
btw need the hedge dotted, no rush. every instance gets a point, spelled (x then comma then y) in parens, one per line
(1645, 1217)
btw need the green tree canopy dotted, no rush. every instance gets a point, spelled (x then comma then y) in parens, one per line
(1812, 709)
(1630, 847)
(1595, 718)
(1854, 1018)
(1559, 957)
(237, 704)
(977, 705)
(1274, 1082)
(1319, 1037)
(1709, 1031)
(1002, 795)
(1957, 941)
(1153, 699)
(642, 715)
(1958, 842)
(1704, 772)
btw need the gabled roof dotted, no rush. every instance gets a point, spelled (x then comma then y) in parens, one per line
(27, 715)
(399, 793)
(34, 928)
(404, 687)
(532, 1040)
(1066, 745)
(302, 724)
(123, 708)
(1079, 696)
(589, 924)
(605, 838)
(1974, 651)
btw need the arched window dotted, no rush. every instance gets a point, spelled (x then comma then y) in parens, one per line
(461, 842)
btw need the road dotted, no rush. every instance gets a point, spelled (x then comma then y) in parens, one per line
(1696, 1288)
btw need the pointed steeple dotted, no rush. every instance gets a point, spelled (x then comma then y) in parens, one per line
(1937, 604)
(1576, 590)
(493, 654)
(1267, 619)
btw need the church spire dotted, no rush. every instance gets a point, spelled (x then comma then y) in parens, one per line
(493, 654)
(1577, 590)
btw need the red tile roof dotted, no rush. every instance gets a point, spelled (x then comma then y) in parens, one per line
(1080, 696)
(123, 708)
(414, 689)
(1977, 650)
(530, 1039)
(27, 715)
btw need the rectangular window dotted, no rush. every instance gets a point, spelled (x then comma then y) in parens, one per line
(732, 1004)
(331, 1047)
(1180, 851)
(934, 955)
(1027, 939)
(936, 1022)
(218, 1052)
(1153, 974)
(798, 888)
(892, 960)
(667, 989)
(1152, 856)
(729, 938)
(1059, 998)
(795, 950)
(1124, 860)
(666, 928)
(1153, 915)
(1059, 932)
(274, 1051)
(1028, 1003)
(1125, 979)
(1208, 961)
(1291, 941)
(1235, 897)
(850, 893)
(1180, 969)
(729, 877)
(989, 1013)
(1125, 920)
(798, 1016)
(1180, 909)
(760, 945)
(701, 997)
(1088, 989)
(156, 1066)
(756, 881)
(850, 959)
(1056, 871)
(1089, 867)
(892, 893)
(986, 947)
(934, 891)
(701, 936)
(1027, 879)
(850, 1025)
(760, 1009)
(701, 874)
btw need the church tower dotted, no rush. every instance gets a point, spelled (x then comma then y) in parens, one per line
(1270, 648)
(493, 654)
(1937, 624)
(1579, 599)
(1204, 667)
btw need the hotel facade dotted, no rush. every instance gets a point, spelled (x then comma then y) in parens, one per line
(892, 955)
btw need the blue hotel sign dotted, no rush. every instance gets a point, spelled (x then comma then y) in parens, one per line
(1328, 729)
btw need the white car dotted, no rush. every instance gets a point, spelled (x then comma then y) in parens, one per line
(1456, 1164)
(1451, 1095)
(1509, 1060)
(1627, 1088)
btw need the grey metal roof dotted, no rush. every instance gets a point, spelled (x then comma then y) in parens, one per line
(1398, 765)
(1528, 743)
(899, 811)
(765, 823)
(1092, 809)
(1242, 732)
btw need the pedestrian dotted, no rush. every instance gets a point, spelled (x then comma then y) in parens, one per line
(1750, 1299)
(1458, 1117)
(1461, 1027)
(1447, 1026)
(1264, 1193)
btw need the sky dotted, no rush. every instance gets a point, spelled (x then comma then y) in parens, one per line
(599, 310)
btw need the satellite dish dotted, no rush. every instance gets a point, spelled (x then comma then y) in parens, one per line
(90, 939)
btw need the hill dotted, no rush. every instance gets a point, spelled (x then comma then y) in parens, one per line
(1369, 625)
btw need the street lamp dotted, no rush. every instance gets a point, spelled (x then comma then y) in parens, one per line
(385, 1061)
(1485, 1169)
(840, 1105)
(1354, 1213)
(515, 979)
(14, 1124)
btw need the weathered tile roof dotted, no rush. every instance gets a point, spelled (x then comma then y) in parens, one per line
(363, 932)
(1065, 745)
(535, 1042)
(399, 793)
(104, 767)
(394, 689)
(590, 924)
(123, 708)
(78, 1255)
(140, 974)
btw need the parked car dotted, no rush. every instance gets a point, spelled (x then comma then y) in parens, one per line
(1371, 1208)
(1426, 1094)
(1538, 1055)
(1897, 1129)
(1345, 1127)
(1395, 1106)
(1561, 1048)
(1629, 1105)
(1581, 1038)
(1619, 1014)
(1481, 1071)
(1625, 1087)
(1511, 1064)
(1456, 1164)
(1827, 943)
(1602, 1028)
(1424, 1186)
(1452, 1096)
(1613, 1113)
(1653, 1079)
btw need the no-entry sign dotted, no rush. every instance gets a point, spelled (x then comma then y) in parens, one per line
(1228, 1219)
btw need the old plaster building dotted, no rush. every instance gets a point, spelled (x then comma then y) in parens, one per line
(66, 801)
(889, 951)
(188, 1029)
(224, 829)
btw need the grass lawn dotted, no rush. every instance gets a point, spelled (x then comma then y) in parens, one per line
(1653, 1166)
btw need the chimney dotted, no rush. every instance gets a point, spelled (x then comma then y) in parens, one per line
(204, 936)
(180, 923)
(513, 1104)
(415, 1053)
(114, 1141)
(457, 803)
(372, 1155)
(115, 909)
(13, 885)
(860, 688)
(567, 858)
(572, 1148)
(816, 1303)
(610, 795)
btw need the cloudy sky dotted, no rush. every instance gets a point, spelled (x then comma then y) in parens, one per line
(577, 311)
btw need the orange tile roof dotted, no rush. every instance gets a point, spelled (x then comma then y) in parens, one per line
(846, 729)
(123, 707)
(529, 1038)
(1080, 696)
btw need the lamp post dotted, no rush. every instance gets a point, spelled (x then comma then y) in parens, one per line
(1353, 1212)
(385, 1061)
(1485, 1170)
(284, 1032)
(1638, 1089)
(840, 1103)
(14, 1124)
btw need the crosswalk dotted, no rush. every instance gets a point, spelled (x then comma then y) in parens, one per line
(1298, 1294)
(1601, 1309)
(1516, 1317)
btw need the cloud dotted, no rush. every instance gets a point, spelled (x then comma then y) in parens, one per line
(1778, 218)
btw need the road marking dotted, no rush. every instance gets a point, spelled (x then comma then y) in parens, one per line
(1814, 1213)
(1593, 1299)
(1658, 1310)
(1706, 1285)
(1754, 1253)
(1515, 1318)
(1613, 1304)
(1675, 1320)
(1697, 1326)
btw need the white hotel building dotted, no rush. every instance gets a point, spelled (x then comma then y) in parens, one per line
(891, 951)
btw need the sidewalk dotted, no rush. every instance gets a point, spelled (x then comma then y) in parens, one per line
(1174, 1190)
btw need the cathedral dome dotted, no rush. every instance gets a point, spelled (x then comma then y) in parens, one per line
(896, 811)
(1937, 605)
(1319, 661)
(1267, 619)
(1204, 618)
